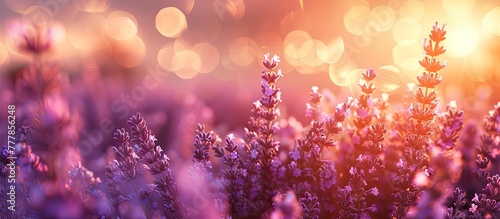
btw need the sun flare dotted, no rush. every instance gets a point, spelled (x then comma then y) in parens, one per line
(462, 41)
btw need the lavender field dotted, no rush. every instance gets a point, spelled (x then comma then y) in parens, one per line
(250, 109)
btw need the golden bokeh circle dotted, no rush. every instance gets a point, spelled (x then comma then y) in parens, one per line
(171, 22)
(165, 56)
(342, 74)
(186, 64)
(331, 52)
(121, 28)
(209, 56)
(356, 18)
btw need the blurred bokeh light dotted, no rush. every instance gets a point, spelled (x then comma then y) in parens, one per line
(171, 22)
(121, 25)
(320, 42)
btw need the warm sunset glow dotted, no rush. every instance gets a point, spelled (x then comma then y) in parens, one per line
(407, 31)
(295, 20)
(462, 41)
(355, 19)
(459, 7)
(342, 74)
(381, 19)
(403, 57)
(491, 23)
(412, 9)
(249, 109)
(297, 44)
(331, 52)
(389, 78)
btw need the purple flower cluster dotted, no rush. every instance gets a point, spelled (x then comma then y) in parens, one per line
(131, 150)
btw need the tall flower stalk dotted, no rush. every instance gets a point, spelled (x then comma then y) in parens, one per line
(157, 163)
(154, 160)
(126, 162)
(233, 177)
(261, 144)
(419, 128)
